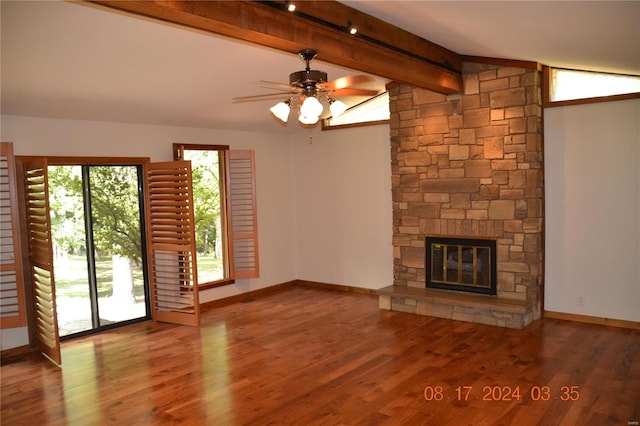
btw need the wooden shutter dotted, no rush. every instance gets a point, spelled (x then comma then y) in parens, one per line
(172, 244)
(41, 256)
(243, 217)
(12, 306)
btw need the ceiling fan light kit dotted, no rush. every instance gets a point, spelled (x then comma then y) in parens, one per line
(281, 110)
(310, 110)
(337, 107)
(309, 90)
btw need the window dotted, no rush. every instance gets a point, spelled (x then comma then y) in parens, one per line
(572, 86)
(372, 111)
(225, 214)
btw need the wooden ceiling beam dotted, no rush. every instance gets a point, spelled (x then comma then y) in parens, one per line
(379, 48)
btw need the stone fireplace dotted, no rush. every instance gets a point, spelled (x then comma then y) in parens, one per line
(469, 166)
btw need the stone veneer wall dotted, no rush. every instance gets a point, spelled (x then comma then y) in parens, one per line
(471, 166)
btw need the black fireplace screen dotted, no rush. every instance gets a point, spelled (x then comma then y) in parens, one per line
(463, 264)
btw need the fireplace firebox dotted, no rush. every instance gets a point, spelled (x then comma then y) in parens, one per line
(461, 264)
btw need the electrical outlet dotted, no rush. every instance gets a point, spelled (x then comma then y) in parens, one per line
(580, 300)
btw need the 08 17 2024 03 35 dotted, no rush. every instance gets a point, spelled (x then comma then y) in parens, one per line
(502, 393)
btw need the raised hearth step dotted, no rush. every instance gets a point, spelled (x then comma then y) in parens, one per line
(461, 306)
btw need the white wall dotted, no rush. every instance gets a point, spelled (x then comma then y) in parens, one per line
(592, 197)
(342, 183)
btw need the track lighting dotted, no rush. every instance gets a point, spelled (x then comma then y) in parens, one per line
(291, 6)
(353, 30)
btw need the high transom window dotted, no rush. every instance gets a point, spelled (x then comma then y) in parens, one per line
(568, 85)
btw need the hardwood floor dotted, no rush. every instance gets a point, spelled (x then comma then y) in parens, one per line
(310, 356)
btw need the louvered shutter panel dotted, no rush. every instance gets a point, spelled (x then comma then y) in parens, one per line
(12, 306)
(243, 217)
(41, 256)
(172, 244)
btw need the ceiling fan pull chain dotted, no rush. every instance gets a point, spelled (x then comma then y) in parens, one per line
(310, 137)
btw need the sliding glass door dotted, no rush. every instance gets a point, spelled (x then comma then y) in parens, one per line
(98, 243)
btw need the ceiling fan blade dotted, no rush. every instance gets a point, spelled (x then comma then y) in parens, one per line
(347, 81)
(261, 97)
(352, 92)
(275, 83)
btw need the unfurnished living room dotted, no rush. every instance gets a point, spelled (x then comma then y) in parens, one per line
(320, 212)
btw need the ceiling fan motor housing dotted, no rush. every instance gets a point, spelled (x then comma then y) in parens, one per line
(307, 80)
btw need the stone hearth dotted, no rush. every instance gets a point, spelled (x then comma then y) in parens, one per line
(469, 307)
(469, 166)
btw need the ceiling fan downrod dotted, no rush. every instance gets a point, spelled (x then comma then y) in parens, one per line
(308, 55)
(307, 79)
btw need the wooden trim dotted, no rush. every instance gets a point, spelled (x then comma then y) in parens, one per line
(250, 295)
(93, 161)
(530, 65)
(611, 322)
(379, 48)
(583, 101)
(336, 287)
(348, 126)
(214, 284)
(546, 86)
(178, 148)
(8, 355)
(246, 296)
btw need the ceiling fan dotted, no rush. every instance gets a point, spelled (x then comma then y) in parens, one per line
(308, 89)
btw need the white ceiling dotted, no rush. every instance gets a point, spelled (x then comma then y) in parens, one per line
(591, 35)
(65, 60)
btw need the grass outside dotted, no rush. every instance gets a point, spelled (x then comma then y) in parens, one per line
(72, 277)
(209, 268)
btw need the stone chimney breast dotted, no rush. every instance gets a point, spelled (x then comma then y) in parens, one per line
(470, 166)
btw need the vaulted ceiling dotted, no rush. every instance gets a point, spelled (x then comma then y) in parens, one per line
(74, 61)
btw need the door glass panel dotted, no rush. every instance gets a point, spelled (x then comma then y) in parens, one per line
(69, 249)
(98, 246)
(117, 242)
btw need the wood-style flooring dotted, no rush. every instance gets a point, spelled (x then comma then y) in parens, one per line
(303, 356)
